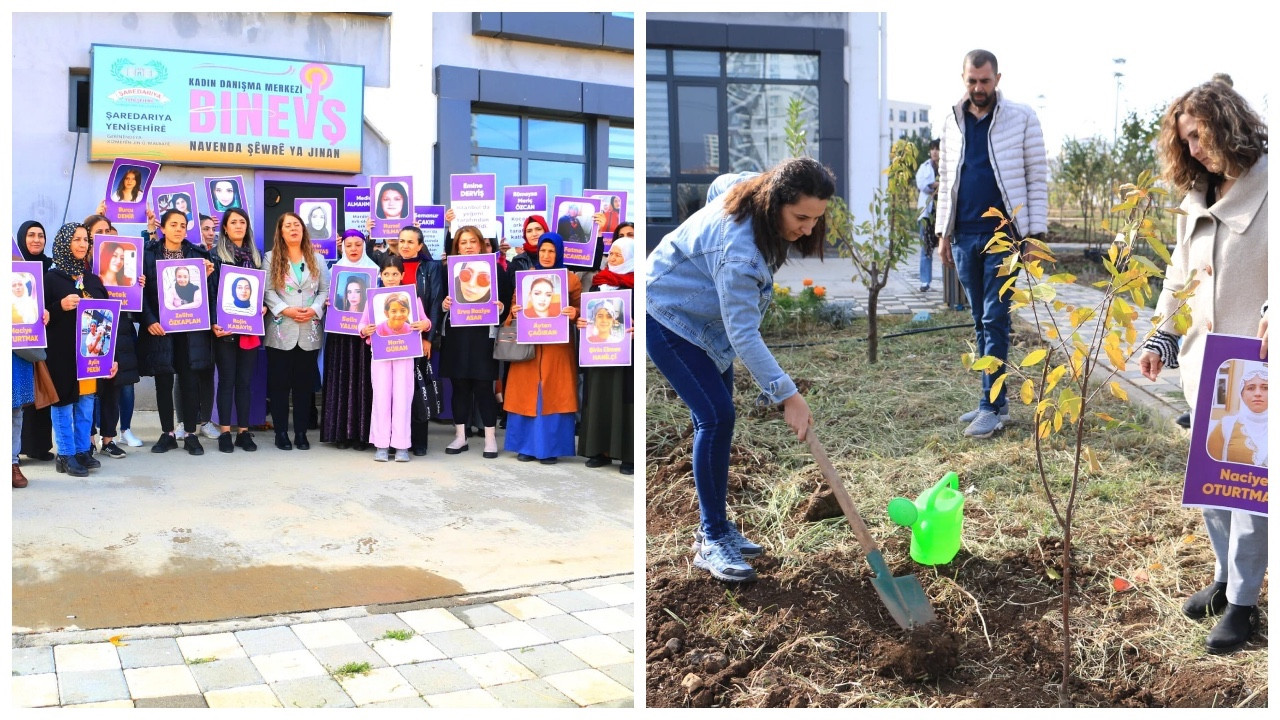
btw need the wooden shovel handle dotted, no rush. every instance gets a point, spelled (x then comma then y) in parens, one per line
(842, 496)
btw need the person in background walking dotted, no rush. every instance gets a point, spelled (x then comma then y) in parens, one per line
(927, 183)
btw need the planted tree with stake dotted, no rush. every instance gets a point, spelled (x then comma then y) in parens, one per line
(1062, 378)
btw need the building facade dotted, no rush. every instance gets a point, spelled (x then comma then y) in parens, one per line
(718, 87)
(907, 120)
(537, 98)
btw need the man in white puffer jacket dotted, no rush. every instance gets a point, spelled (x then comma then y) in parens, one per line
(992, 156)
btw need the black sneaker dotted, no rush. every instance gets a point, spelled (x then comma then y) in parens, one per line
(225, 443)
(627, 469)
(1209, 601)
(165, 443)
(192, 444)
(244, 441)
(90, 462)
(1235, 628)
(522, 457)
(112, 450)
(1184, 420)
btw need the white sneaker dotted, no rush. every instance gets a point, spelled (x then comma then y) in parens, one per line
(131, 439)
(209, 430)
(179, 433)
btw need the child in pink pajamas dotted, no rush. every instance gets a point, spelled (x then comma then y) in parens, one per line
(392, 379)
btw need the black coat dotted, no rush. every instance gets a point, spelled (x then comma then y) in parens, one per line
(62, 330)
(126, 350)
(155, 352)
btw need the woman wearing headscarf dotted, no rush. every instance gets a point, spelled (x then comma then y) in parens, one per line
(467, 356)
(542, 393)
(167, 355)
(1213, 148)
(348, 391)
(66, 283)
(37, 426)
(608, 393)
(1242, 436)
(235, 356)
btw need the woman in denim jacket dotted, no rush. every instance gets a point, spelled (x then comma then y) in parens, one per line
(709, 284)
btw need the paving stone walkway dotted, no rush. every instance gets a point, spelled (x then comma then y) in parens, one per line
(559, 645)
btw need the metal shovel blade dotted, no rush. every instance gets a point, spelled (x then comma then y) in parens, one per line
(903, 596)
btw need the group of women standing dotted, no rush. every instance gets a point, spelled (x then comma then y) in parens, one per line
(541, 395)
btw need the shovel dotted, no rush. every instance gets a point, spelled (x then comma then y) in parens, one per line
(903, 596)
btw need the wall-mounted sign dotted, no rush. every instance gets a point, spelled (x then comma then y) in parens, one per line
(214, 109)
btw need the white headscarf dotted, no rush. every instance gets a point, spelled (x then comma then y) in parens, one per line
(365, 261)
(626, 246)
(1253, 424)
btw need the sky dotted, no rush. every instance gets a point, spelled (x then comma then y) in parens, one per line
(1062, 62)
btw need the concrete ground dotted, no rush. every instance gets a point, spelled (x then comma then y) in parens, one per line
(172, 538)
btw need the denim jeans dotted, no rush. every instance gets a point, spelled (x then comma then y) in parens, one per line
(72, 424)
(126, 407)
(926, 252)
(709, 395)
(977, 272)
(17, 433)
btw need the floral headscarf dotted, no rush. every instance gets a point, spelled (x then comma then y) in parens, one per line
(62, 257)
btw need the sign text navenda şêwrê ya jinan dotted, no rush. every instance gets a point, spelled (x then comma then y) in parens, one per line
(214, 109)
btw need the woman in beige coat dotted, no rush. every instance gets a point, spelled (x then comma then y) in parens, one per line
(1213, 147)
(297, 287)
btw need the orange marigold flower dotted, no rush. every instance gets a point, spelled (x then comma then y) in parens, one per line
(808, 282)
(820, 291)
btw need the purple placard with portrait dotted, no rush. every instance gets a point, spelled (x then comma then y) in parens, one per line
(17, 251)
(474, 200)
(1227, 462)
(355, 207)
(518, 203)
(224, 192)
(28, 304)
(117, 260)
(473, 289)
(605, 340)
(127, 186)
(435, 231)
(178, 197)
(96, 322)
(240, 292)
(183, 295)
(320, 217)
(391, 204)
(613, 203)
(541, 295)
(392, 310)
(348, 289)
(572, 218)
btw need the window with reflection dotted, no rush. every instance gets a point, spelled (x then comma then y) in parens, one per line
(710, 112)
(530, 150)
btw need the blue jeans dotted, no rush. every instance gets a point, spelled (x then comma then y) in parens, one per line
(126, 407)
(977, 272)
(926, 252)
(709, 395)
(72, 425)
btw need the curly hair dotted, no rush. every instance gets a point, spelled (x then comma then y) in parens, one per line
(1230, 131)
(280, 253)
(761, 199)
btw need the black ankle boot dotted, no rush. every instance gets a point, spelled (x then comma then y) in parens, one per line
(1209, 601)
(1234, 629)
(70, 465)
(282, 441)
(88, 461)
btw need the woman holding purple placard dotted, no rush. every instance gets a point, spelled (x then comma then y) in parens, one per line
(235, 356)
(348, 392)
(542, 393)
(168, 355)
(608, 393)
(467, 356)
(1213, 148)
(37, 427)
(110, 390)
(65, 284)
(297, 290)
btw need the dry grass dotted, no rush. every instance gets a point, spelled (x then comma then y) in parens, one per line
(891, 431)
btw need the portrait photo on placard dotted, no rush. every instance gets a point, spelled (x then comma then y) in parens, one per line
(117, 261)
(391, 201)
(473, 281)
(351, 290)
(605, 321)
(226, 193)
(392, 313)
(181, 287)
(128, 183)
(239, 294)
(1238, 416)
(541, 295)
(97, 330)
(26, 309)
(318, 218)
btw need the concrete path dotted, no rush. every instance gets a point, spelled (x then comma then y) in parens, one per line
(902, 296)
(557, 645)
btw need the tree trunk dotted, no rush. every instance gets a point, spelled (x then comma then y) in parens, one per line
(1064, 691)
(873, 325)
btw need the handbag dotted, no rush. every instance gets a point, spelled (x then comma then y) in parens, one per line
(46, 392)
(426, 403)
(506, 348)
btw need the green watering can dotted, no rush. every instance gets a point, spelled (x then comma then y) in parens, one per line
(935, 519)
